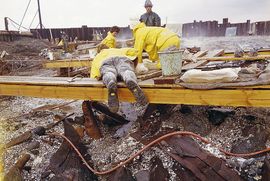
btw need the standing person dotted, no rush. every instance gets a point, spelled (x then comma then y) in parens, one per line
(109, 41)
(112, 63)
(150, 18)
(64, 41)
(153, 40)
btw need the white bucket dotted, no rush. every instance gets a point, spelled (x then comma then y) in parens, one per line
(171, 62)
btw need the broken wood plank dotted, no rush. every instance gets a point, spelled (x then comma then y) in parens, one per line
(150, 75)
(65, 163)
(227, 58)
(59, 119)
(14, 173)
(39, 130)
(104, 109)
(20, 139)
(203, 165)
(90, 123)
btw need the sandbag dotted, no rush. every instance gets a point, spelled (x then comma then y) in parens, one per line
(213, 76)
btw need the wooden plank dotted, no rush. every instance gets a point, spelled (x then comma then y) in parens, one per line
(260, 52)
(200, 53)
(91, 89)
(150, 75)
(215, 53)
(68, 81)
(67, 63)
(194, 65)
(227, 58)
(203, 60)
(89, 82)
(165, 80)
(219, 97)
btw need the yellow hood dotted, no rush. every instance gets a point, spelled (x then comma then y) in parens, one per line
(138, 26)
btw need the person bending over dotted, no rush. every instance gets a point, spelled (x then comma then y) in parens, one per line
(112, 63)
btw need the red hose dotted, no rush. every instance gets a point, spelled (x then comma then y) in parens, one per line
(182, 133)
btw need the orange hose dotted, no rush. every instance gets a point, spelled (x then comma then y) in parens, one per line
(183, 133)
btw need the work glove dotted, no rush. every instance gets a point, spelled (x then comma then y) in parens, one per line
(141, 69)
(150, 64)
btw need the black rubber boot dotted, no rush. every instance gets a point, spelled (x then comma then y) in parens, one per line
(138, 93)
(113, 101)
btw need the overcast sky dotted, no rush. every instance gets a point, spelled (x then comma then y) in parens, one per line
(75, 13)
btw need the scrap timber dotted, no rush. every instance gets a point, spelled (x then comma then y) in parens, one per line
(90, 89)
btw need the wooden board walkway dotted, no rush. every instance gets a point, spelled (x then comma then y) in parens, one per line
(89, 89)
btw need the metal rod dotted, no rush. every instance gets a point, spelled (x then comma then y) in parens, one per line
(39, 13)
(24, 14)
(6, 23)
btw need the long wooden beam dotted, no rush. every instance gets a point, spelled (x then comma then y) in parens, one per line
(230, 58)
(88, 63)
(88, 89)
(67, 63)
(260, 52)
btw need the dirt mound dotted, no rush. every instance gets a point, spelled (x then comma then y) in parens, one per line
(23, 55)
(25, 47)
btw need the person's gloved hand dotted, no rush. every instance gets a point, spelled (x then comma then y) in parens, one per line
(150, 64)
(141, 69)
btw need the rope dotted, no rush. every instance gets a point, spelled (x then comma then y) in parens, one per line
(183, 133)
(17, 24)
(33, 19)
(24, 14)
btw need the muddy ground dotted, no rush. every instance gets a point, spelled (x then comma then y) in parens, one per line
(245, 130)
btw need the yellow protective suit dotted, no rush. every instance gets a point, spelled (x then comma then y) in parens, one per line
(109, 41)
(153, 40)
(131, 53)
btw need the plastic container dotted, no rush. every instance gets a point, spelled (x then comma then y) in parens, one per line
(171, 62)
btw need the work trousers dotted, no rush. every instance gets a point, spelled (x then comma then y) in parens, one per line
(115, 67)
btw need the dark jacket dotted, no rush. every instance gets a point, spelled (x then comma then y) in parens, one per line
(150, 19)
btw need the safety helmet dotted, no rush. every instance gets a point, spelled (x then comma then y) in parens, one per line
(148, 3)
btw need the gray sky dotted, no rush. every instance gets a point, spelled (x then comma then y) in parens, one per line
(71, 13)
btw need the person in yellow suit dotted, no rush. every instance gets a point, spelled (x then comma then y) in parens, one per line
(153, 40)
(112, 63)
(109, 41)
